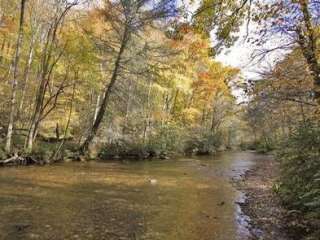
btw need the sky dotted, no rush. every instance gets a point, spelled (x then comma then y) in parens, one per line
(236, 56)
(239, 55)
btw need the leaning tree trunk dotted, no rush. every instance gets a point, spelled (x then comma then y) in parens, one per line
(15, 79)
(37, 112)
(94, 128)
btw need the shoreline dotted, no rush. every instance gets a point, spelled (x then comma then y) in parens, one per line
(261, 208)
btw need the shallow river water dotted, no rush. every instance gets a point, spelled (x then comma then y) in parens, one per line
(182, 199)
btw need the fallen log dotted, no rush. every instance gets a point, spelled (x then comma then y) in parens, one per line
(18, 160)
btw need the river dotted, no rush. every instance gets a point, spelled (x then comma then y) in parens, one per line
(181, 199)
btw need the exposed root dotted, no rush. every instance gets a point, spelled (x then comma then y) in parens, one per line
(17, 160)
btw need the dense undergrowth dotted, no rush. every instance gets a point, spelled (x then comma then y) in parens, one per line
(299, 183)
(162, 145)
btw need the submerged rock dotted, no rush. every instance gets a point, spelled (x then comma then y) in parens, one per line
(153, 181)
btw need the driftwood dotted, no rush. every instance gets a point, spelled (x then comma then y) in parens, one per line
(18, 160)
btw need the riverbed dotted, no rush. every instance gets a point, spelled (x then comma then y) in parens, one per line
(180, 199)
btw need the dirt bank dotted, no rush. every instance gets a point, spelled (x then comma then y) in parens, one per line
(262, 206)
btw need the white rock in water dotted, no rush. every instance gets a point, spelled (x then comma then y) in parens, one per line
(153, 181)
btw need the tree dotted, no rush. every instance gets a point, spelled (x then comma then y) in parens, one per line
(48, 62)
(281, 100)
(223, 18)
(127, 18)
(15, 78)
(294, 22)
(142, 77)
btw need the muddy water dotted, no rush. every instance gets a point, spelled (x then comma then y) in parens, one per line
(182, 199)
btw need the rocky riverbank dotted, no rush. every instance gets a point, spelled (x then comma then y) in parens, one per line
(262, 206)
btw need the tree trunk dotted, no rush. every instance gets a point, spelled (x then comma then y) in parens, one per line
(128, 107)
(15, 79)
(108, 90)
(47, 65)
(3, 48)
(57, 131)
(147, 117)
(44, 80)
(308, 43)
(97, 108)
(26, 76)
(36, 115)
(8, 53)
(54, 156)
(173, 108)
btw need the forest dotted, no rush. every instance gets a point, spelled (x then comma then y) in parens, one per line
(129, 81)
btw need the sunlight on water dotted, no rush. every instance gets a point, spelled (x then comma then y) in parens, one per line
(177, 199)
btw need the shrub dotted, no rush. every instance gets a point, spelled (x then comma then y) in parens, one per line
(168, 138)
(123, 149)
(3, 154)
(203, 143)
(300, 170)
(261, 146)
